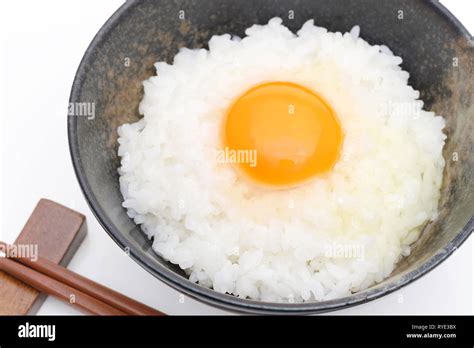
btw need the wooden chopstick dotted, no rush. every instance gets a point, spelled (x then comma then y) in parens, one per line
(57, 289)
(84, 286)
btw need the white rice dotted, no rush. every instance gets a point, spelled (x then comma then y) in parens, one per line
(338, 234)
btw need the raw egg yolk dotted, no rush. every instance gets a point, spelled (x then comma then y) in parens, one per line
(282, 134)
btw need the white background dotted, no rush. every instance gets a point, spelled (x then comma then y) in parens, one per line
(41, 44)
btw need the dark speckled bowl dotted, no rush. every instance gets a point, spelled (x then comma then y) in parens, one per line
(428, 38)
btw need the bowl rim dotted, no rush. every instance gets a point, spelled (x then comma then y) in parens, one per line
(202, 293)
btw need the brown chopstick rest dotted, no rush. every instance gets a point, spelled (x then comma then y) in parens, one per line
(55, 232)
(22, 262)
